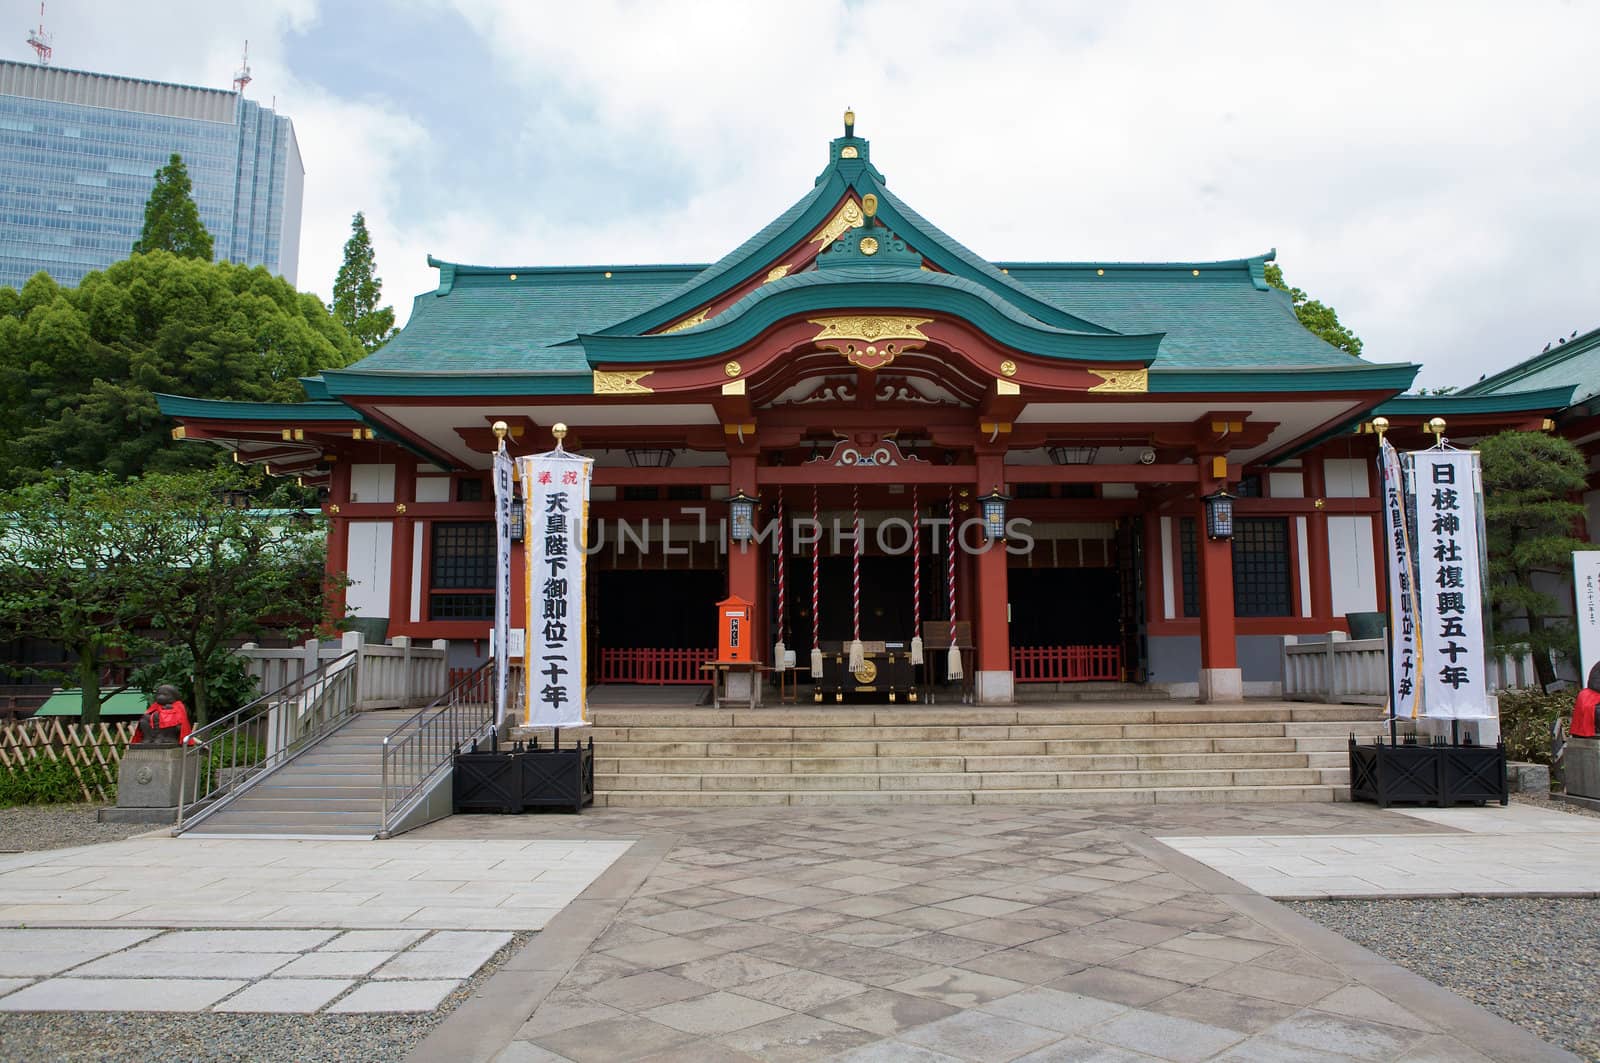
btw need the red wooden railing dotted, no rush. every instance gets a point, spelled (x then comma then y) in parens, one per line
(1065, 664)
(653, 666)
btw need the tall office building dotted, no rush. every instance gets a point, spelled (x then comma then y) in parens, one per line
(78, 157)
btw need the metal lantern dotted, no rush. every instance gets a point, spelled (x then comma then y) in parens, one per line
(1219, 515)
(650, 457)
(742, 517)
(994, 514)
(1064, 455)
(519, 524)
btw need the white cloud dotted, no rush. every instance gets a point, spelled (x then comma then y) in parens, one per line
(1428, 175)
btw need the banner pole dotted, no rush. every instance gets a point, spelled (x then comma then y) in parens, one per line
(1380, 425)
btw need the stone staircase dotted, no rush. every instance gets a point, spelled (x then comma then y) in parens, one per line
(1134, 753)
(333, 789)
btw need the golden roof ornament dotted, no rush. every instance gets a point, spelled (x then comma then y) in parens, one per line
(849, 122)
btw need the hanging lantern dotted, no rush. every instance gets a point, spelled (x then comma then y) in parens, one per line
(519, 527)
(742, 517)
(1219, 515)
(994, 515)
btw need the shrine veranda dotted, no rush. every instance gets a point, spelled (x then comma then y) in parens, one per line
(852, 366)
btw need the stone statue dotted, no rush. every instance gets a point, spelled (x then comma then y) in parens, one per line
(166, 721)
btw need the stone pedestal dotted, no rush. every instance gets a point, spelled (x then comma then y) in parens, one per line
(995, 687)
(1581, 767)
(1221, 685)
(149, 783)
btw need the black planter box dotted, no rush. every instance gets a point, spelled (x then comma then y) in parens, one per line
(515, 781)
(1441, 775)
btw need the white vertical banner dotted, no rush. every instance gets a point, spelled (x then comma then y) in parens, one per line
(1405, 687)
(1586, 589)
(1450, 584)
(500, 644)
(555, 486)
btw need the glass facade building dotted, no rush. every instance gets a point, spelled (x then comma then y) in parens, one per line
(78, 157)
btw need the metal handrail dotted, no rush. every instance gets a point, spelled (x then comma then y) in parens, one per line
(228, 756)
(416, 752)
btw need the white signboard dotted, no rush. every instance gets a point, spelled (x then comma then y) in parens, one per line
(1586, 588)
(1405, 686)
(1450, 584)
(555, 487)
(500, 638)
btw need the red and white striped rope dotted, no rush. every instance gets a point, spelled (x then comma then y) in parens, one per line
(916, 563)
(950, 577)
(783, 564)
(855, 562)
(816, 570)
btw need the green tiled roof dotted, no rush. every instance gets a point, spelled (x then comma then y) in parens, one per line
(1574, 364)
(1542, 400)
(1220, 319)
(226, 409)
(542, 331)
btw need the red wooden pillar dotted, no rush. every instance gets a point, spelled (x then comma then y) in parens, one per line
(992, 621)
(338, 562)
(746, 560)
(1220, 678)
(1317, 541)
(400, 555)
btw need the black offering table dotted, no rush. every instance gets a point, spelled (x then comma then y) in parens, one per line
(516, 779)
(1435, 773)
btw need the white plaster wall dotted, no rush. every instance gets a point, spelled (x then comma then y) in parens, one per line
(418, 535)
(1286, 484)
(433, 489)
(372, 483)
(1168, 603)
(371, 542)
(1350, 561)
(1345, 477)
(1303, 546)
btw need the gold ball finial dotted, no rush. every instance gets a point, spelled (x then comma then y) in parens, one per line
(849, 122)
(1436, 426)
(500, 429)
(559, 430)
(1380, 425)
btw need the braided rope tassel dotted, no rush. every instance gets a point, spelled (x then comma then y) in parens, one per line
(916, 578)
(779, 651)
(816, 589)
(857, 653)
(953, 659)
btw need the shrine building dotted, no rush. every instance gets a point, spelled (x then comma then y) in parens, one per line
(850, 361)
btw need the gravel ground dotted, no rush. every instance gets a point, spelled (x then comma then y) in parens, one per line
(1543, 801)
(29, 828)
(204, 1037)
(1533, 961)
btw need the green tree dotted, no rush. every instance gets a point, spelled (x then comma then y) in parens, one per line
(356, 291)
(1528, 482)
(235, 573)
(171, 219)
(71, 555)
(103, 565)
(80, 367)
(1316, 316)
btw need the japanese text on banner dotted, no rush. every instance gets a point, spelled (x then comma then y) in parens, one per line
(503, 499)
(557, 489)
(1450, 584)
(1405, 686)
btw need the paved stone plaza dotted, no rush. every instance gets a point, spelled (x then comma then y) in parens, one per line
(894, 933)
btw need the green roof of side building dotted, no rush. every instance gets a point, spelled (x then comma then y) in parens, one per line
(1574, 364)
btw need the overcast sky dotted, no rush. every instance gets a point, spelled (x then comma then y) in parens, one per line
(1429, 169)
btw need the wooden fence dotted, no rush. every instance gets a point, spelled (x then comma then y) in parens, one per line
(93, 750)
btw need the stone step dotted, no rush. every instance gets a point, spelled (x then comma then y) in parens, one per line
(285, 828)
(984, 780)
(253, 802)
(627, 765)
(975, 732)
(309, 822)
(1066, 797)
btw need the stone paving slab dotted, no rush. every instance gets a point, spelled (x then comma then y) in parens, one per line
(934, 934)
(1493, 851)
(400, 883)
